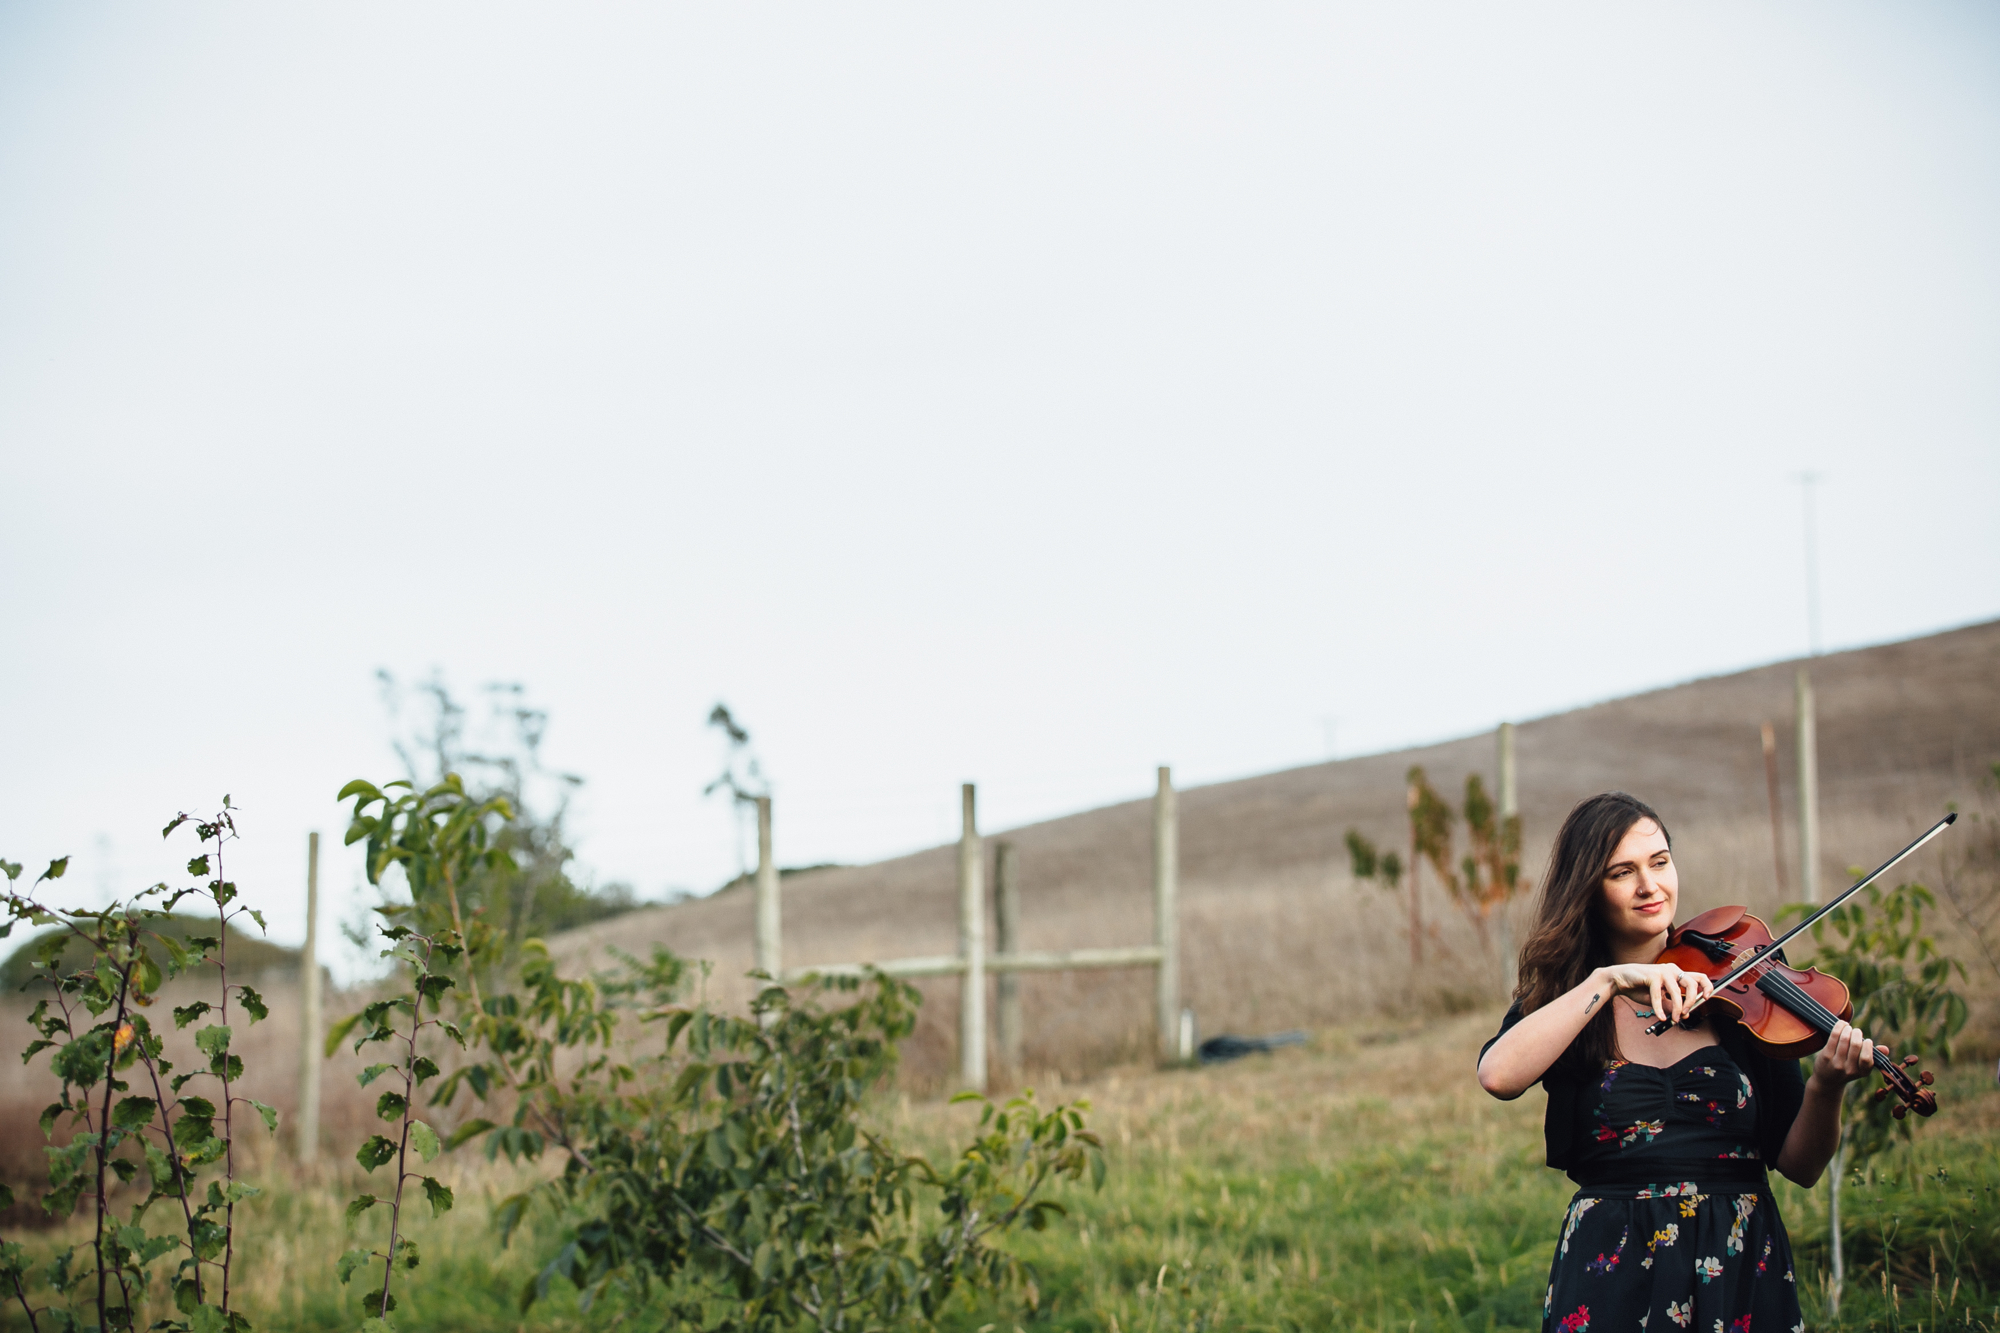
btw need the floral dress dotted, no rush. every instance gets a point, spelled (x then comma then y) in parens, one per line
(1674, 1227)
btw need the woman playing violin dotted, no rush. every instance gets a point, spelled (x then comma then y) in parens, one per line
(1673, 1226)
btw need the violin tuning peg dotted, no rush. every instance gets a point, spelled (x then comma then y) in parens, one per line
(1900, 1111)
(1881, 1092)
(1925, 1078)
(1909, 1060)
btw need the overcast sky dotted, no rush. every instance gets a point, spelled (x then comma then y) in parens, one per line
(1027, 394)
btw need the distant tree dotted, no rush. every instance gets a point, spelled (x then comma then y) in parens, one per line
(1386, 869)
(527, 891)
(742, 777)
(1483, 882)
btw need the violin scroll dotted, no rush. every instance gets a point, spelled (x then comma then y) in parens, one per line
(1913, 1094)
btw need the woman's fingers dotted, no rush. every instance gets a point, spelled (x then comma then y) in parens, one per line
(1849, 1052)
(1659, 1002)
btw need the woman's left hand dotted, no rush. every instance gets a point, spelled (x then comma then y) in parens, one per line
(1847, 1056)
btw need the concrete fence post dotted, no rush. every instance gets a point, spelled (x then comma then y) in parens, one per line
(1808, 757)
(1166, 915)
(972, 949)
(1007, 940)
(1510, 792)
(770, 942)
(306, 1141)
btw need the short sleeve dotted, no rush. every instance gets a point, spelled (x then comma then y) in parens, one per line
(1513, 1017)
(1559, 1117)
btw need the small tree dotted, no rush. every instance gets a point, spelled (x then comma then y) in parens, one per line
(94, 1021)
(742, 777)
(444, 840)
(496, 754)
(1483, 882)
(1365, 862)
(1900, 987)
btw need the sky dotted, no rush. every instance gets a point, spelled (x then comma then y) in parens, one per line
(1028, 395)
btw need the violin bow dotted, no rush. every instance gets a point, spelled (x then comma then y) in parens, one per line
(1764, 955)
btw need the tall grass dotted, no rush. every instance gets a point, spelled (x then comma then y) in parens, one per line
(1362, 1183)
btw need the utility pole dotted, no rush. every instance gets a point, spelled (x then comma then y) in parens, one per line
(972, 949)
(1770, 738)
(1808, 759)
(1807, 480)
(770, 942)
(310, 1055)
(1808, 731)
(1166, 914)
(1416, 910)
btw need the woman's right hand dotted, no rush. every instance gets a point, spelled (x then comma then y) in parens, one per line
(1674, 991)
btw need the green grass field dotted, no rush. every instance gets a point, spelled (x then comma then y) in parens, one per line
(1364, 1182)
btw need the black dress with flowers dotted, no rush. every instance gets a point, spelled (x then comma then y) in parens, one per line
(1673, 1228)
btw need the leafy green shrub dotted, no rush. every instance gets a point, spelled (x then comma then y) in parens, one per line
(730, 1163)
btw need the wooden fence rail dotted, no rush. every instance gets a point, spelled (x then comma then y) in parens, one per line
(972, 961)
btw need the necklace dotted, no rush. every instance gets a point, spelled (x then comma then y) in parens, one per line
(1637, 1012)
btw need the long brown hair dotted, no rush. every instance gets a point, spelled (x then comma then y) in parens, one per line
(1567, 941)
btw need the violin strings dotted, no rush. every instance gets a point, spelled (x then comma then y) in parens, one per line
(1777, 983)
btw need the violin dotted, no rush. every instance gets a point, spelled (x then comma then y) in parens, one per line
(1785, 1010)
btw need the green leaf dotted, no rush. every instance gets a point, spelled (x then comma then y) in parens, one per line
(207, 1319)
(439, 1196)
(56, 869)
(213, 1040)
(423, 1068)
(391, 1106)
(238, 1192)
(373, 1072)
(199, 865)
(424, 1139)
(508, 1216)
(133, 1112)
(12, 869)
(362, 1203)
(378, 1325)
(353, 1259)
(253, 1003)
(270, 1114)
(375, 1152)
(338, 1033)
(471, 1129)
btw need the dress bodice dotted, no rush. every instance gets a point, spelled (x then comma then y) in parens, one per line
(1685, 1120)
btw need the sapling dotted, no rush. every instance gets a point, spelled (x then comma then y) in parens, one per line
(93, 1019)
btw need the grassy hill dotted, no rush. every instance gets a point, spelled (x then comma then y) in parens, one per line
(1275, 932)
(250, 955)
